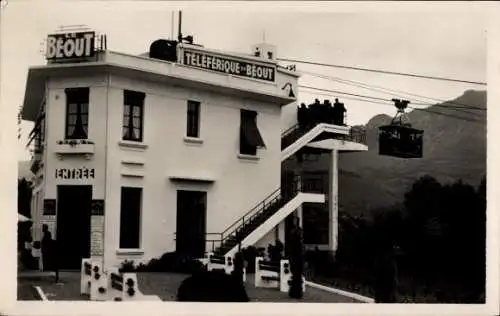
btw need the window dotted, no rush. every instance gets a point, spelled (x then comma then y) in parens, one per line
(77, 113)
(193, 119)
(250, 138)
(133, 115)
(130, 218)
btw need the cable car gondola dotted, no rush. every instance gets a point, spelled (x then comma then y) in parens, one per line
(399, 139)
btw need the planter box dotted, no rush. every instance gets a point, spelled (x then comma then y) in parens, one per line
(62, 150)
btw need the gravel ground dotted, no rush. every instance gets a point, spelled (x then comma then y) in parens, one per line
(165, 286)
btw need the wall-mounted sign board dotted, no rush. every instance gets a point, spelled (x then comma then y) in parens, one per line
(229, 65)
(49, 207)
(98, 207)
(75, 173)
(79, 46)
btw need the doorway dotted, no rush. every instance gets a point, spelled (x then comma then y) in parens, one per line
(73, 225)
(191, 223)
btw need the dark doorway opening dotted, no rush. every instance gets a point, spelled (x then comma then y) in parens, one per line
(73, 225)
(191, 223)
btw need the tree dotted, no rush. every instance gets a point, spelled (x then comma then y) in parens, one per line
(24, 208)
(24, 192)
(475, 277)
(422, 200)
(296, 261)
(441, 234)
(422, 233)
(385, 273)
(211, 286)
(445, 236)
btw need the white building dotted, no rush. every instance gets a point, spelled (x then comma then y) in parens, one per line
(137, 156)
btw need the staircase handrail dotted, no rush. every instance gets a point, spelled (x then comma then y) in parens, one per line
(289, 130)
(258, 209)
(224, 234)
(295, 132)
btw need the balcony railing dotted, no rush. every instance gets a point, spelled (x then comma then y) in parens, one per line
(357, 136)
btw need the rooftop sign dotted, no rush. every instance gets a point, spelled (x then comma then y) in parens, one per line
(70, 46)
(229, 65)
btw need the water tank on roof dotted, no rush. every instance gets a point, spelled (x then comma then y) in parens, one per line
(164, 50)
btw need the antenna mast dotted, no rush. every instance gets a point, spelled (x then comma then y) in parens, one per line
(179, 37)
(172, 26)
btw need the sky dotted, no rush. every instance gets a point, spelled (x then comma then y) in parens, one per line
(435, 40)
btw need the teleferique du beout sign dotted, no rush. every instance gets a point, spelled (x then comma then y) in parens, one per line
(70, 46)
(229, 65)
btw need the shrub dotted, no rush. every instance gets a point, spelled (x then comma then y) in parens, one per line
(127, 266)
(168, 262)
(213, 286)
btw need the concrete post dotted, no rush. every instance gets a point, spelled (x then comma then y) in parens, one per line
(298, 178)
(333, 201)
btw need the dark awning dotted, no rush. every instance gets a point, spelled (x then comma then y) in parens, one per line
(134, 97)
(251, 135)
(77, 95)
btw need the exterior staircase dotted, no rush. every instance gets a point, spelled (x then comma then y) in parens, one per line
(279, 204)
(270, 211)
